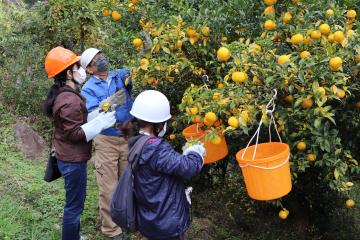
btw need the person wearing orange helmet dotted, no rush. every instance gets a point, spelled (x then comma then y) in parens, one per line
(72, 132)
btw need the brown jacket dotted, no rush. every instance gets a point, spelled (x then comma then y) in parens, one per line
(69, 113)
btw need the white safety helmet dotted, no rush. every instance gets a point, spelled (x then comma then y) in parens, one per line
(151, 106)
(87, 56)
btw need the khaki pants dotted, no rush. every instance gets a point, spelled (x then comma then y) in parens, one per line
(110, 162)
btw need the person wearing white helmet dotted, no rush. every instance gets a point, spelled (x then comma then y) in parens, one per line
(163, 207)
(111, 148)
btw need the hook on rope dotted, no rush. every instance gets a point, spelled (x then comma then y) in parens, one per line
(270, 107)
(205, 78)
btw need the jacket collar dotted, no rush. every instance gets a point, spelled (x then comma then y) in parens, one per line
(97, 80)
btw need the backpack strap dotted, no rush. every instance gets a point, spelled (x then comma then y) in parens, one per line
(136, 150)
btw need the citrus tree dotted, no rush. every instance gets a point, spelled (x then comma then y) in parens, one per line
(308, 51)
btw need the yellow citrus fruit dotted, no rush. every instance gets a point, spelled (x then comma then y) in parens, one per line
(239, 77)
(131, 8)
(205, 31)
(329, 13)
(269, 10)
(224, 39)
(106, 12)
(315, 34)
(283, 59)
(283, 214)
(216, 96)
(174, 124)
(340, 93)
(287, 17)
(297, 39)
(350, 32)
(269, 25)
(211, 117)
(179, 43)
(321, 91)
(223, 54)
(105, 106)
(289, 98)
(307, 103)
(270, 2)
(137, 42)
(301, 146)
(334, 89)
(254, 48)
(172, 136)
(307, 40)
(295, 1)
(331, 38)
(144, 63)
(351, 14)
(194, 110)
(196, 119)
(233, 122)
(339, 36)
(135, 2)
(208, 123)
(350, 203)
(220, 86)
(216, 140)
(116, 16)
(335, 63)
(349, 184)
(191, 32)
(305, 54)
(357, 104)
(324, 29)
(310, 157)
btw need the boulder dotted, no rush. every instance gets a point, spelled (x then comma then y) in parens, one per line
(30, 142)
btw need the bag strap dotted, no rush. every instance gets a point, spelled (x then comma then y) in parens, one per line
(136, 150)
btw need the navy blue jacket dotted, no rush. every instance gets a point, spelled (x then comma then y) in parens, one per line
(96, 90)
(162, 208)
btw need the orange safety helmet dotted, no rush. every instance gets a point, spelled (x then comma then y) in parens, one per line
(59, 59)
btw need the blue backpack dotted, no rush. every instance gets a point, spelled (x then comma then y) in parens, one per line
(123, 204)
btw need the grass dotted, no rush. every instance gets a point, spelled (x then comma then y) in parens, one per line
(30, 207)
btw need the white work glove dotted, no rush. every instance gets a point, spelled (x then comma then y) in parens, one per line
(188, 191)
(115, 100)
(93, 114)
(101, 122)
(198, 148)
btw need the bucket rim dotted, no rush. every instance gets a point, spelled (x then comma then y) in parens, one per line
(264, 159)
(200, 131)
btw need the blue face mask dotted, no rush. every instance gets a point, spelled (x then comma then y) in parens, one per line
(102, 64)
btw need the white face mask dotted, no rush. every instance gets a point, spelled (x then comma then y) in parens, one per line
(80, 79)
(163, 131)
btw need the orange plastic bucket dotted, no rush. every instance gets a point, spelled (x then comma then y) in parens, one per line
(267, 175)
(214, 152)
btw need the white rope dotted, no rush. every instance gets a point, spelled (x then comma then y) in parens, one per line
(270, 108)
(266, 168)
(207, 80)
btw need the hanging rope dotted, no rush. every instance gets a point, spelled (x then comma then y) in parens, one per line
(270, 108)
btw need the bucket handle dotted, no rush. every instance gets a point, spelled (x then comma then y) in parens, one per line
(266, 168)
(270, 108)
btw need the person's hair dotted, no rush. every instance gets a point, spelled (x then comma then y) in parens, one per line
(132, 128)
(59, 82)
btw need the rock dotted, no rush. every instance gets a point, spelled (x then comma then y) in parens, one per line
(30, 142)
